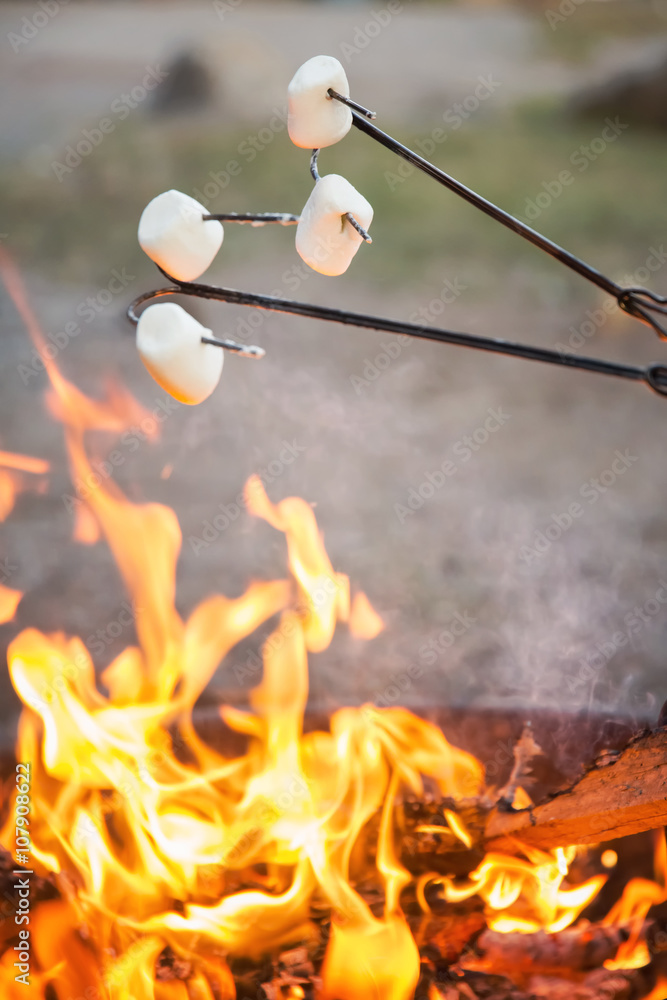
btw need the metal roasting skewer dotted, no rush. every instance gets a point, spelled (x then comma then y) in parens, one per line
(636, 301)
(243, 350)
(256, 218)
(655, 376)
(333, 95)
(348, 215)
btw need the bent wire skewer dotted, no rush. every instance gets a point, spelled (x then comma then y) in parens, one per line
(636, 301)
(631, 300)
(654, 376)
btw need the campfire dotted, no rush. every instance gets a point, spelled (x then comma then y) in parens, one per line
(366, 858)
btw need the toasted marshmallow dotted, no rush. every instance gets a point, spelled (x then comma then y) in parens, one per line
(174, 235)
(325, 239)
(169, 343)
(314, 120)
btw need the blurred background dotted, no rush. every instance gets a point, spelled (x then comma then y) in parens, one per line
(494, 593)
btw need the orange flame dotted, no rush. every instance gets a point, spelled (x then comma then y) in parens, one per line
(524, 895)
(9, 602)
(23, 463)
(17, 474)
(156, 839)
(639, 895)
(659, 991)
(296, 803)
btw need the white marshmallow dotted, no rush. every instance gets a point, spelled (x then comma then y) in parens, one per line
(325, 239)
(313, 119)
(174, 235)
(169, 343)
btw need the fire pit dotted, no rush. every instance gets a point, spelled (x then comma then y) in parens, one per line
(147, 854)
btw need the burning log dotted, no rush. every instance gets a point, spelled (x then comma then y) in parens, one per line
(293, 977)
(628, 984)
(428, 843)
(577, 949)
(631, 984)
(504, 966)
(444, 937)
(472, 985)
(622, 793)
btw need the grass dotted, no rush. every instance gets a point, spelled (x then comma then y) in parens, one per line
(591, 22)
(80, 229)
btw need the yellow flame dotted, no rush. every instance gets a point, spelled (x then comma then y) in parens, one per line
(19, 473)
(524, 895)
(9, 602)
(659, 991)
(639, 895)
(160, 840)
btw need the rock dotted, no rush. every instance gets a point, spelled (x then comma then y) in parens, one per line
(638, 97)
(232, 75)
(187, 87)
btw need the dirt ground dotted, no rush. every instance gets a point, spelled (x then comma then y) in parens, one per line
(555, 610)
